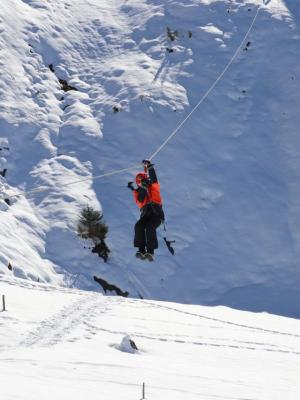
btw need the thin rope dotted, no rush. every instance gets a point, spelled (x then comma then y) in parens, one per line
(173, 133)
(41, 189)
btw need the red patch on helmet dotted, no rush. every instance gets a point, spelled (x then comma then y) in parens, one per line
(139, 177)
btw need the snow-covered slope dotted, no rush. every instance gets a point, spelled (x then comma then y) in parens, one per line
(62, 343)
(230, 177)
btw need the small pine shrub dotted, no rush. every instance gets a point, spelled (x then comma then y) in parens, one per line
(92, 227)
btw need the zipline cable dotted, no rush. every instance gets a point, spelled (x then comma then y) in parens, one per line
(41, 189)
(172, 134)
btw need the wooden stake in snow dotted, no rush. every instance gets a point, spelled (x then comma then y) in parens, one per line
(143, 392)
(3, 303)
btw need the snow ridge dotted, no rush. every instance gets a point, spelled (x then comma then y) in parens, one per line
(230, 181)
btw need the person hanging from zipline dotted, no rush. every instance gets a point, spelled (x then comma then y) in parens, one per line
(148, 198)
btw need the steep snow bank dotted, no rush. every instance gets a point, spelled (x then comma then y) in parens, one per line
(230, 177)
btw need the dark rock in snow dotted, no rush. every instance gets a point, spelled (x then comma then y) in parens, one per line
(65, 86)
(109, 287)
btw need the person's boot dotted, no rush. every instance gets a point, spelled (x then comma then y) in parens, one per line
(149, 255)
(140, 254)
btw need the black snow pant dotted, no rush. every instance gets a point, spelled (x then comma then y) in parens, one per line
(145, 228)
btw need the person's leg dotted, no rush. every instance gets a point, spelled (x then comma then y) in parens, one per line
(140, 235)
(151, 236)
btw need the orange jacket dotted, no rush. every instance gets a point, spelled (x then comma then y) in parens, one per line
(153, 195)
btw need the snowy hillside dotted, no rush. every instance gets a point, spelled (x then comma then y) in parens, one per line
(230, 177)
(61, 343)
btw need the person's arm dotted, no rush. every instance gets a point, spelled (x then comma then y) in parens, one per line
(151, 171)
(141, 193)
(152, 174)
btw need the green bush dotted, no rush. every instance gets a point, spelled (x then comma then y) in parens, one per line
(91, 226)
